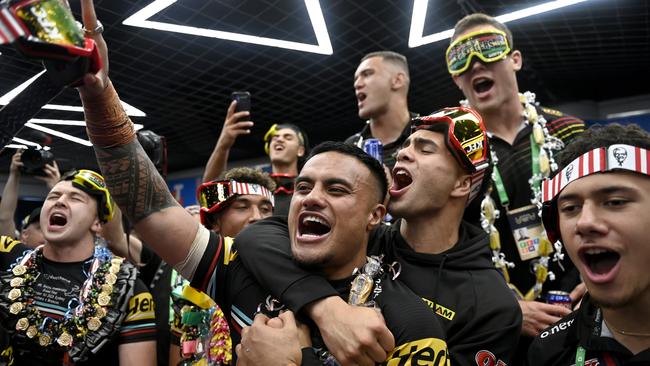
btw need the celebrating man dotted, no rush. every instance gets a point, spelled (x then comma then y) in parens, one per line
(597, 205)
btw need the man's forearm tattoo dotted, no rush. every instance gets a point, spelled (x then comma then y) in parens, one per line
(133, 180)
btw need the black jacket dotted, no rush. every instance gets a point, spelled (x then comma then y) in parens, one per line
(558, 344)
(478, 312)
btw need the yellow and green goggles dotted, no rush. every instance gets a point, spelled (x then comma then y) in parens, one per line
(95, 185)
(488, 45)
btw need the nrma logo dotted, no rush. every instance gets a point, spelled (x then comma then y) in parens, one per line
(428, 351)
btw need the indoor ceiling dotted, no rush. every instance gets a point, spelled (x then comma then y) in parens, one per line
(594, 50)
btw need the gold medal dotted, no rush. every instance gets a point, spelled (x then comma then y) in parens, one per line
(32, 331)
(65, 340)
(19, 270)
(17, 282)
(94, 323)
(103, 299)
(100, 312)
(22, 324)
(44, 340)
(107, 288)
(16, 308)
(14, 294)
(111, 278)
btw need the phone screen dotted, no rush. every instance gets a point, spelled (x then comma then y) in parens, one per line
(243, 99)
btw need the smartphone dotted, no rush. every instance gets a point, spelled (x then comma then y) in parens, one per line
(243, 99)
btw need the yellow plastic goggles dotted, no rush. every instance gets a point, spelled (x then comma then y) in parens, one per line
(93, 184)
(488, 45)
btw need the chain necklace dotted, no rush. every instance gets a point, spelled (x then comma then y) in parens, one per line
(546, 144)
(627, 333)
(93, 302)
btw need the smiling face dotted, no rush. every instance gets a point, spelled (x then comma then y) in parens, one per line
(244, 210)
(603, 220)
(425, 177)
(373, 84)
(69, 216)
(333, 208)
(285, 147)
(488, 86)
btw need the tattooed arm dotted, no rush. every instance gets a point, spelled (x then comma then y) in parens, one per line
(131, 177)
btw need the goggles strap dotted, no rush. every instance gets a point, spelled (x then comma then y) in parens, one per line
(602, 159)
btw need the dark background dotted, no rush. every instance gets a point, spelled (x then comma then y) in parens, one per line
(595, 50)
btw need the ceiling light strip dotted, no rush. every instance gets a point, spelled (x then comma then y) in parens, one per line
(324, 46)
(420, 10)
(58, 134)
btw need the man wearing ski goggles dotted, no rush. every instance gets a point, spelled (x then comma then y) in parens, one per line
(487, 45)
(466, 139)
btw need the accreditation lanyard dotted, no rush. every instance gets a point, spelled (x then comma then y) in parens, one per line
(498, 181)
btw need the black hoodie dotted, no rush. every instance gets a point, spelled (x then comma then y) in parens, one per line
(480, 315)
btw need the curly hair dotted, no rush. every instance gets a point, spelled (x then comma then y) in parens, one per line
(602, 136)
(250, 175)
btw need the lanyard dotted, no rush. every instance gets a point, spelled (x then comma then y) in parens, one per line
(498, 181)
(580, 356)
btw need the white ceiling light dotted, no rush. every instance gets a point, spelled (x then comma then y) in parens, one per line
(6, 98)
(324, 46)
(420, 10)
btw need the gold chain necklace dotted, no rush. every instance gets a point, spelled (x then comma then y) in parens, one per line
(627, 333)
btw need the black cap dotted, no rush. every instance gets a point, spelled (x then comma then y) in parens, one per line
(33, 217)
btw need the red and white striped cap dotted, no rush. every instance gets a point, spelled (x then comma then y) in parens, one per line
(614, 157)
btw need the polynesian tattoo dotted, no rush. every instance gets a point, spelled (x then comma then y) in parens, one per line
(134, 182)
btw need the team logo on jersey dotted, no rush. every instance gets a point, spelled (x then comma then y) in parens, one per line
(428, 351)
(230, 253)
(141, 307)
(440, 310)
(487, 358)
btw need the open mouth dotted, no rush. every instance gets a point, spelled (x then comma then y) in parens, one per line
(481, 85)
(57, 219)
(361, 97)
(600, 261)
(278, 147)
(311, 225)
(401, 180)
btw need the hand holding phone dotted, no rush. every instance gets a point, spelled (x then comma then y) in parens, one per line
(236, 123)
(243, 99)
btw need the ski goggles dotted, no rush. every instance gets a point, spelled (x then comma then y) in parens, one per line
(215, 196)
(46, 29)
(600, 160)
(487, 45)
(95, 185)
(466, 140)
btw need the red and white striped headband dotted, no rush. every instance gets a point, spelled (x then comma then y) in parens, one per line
(10, 28)
(602, 159)
(251, 188)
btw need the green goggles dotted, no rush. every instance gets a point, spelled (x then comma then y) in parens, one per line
(487, 45)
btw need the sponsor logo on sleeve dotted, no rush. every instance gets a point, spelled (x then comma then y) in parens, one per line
(141, 307)
(428, 351)
(557, 328)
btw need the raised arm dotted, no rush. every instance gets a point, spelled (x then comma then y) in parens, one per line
(10, 197)
(233, 127)
(132, 179)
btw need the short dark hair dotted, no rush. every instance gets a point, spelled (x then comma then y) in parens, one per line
(391, 57)
(472, 20)
(371, 163)
(602, 136)
(250, 175)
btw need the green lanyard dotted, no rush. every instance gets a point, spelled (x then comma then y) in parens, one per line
(580, 356)
(498, 181)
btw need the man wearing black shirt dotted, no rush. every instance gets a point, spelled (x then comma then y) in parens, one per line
(597, 205)
(381, 85)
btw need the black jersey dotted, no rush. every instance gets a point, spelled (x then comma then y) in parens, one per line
(558, 344)
(460, 287)
(221, 275)
(56, 288)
